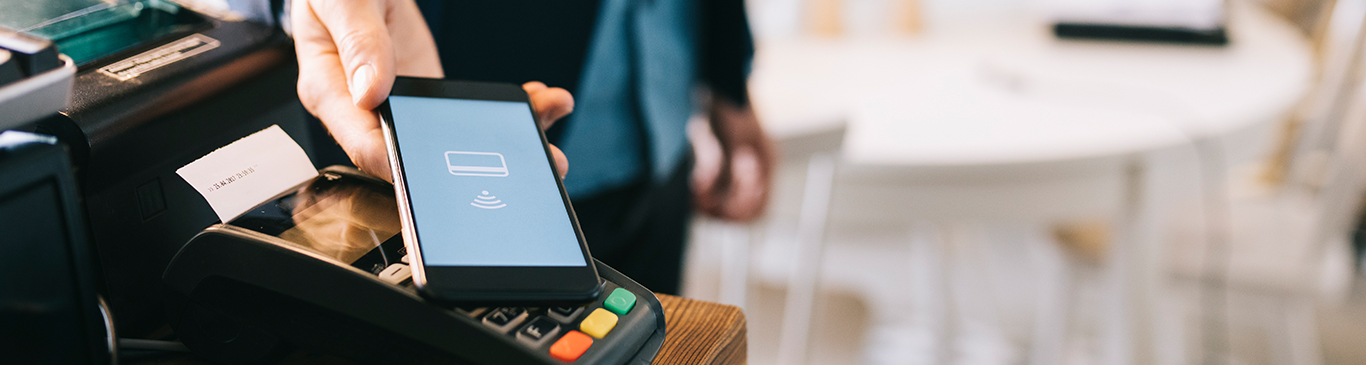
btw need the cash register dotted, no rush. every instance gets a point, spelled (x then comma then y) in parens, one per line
(151, 86)
(323, 269)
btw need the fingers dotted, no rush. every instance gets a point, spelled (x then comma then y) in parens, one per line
(368, 153)
(347, 67)
(748, 191)
(323, 91)
(550, 103)
(533, 86)
(561, 161)
(708, 162)
(740, 190)
(356, 130)
(412, 38)
(739, 195)
(361, 40)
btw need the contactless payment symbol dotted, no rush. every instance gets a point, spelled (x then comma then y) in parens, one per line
(487, 201)
(489, 164)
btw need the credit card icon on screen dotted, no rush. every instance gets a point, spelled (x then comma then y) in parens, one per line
(476, 164)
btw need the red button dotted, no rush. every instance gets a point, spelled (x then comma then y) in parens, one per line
(571, 346)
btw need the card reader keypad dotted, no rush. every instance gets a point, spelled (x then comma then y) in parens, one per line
(570, 330)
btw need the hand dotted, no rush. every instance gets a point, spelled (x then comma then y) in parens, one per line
(738, 188)
(551, 104)
(347, 64)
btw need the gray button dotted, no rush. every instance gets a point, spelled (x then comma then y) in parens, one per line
(504, 319)
(538, 331)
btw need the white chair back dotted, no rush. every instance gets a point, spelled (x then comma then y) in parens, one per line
(1341, 68)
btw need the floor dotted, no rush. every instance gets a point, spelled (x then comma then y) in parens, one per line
(1342, 327)
(1255, 322)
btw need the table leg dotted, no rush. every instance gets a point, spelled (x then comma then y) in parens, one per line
(801, 289)
(1136, 328)
(1053, 306)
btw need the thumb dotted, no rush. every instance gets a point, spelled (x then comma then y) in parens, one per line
(362, 38)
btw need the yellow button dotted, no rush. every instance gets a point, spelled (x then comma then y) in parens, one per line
(598, 323)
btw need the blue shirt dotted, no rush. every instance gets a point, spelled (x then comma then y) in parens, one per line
(637, 81)
(632, 66)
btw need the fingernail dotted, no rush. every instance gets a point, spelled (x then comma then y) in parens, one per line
(360, 82)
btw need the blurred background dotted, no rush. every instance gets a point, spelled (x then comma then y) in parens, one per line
(1052, 182)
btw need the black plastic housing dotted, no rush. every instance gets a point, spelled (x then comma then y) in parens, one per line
(248, 297)
(127, 138)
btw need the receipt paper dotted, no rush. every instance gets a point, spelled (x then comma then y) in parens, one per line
(249, 172)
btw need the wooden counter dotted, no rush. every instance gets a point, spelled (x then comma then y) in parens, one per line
(701, 332)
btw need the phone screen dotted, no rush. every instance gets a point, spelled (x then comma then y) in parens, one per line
(481, 189)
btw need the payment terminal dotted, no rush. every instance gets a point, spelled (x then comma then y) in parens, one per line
(323, 269)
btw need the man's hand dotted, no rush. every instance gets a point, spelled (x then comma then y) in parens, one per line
(349, 53)
(551, 104)
(737, 189)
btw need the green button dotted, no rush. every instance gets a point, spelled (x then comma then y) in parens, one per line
(621, 301)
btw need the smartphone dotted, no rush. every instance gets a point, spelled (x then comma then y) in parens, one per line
(484, 213)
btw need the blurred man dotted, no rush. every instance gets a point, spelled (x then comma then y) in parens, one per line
(635, 65)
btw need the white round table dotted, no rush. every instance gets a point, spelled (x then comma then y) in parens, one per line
(998, 103)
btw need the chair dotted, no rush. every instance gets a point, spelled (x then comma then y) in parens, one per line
(1279, 241)
(1308, 133)
(804, 176)
(1308, 15)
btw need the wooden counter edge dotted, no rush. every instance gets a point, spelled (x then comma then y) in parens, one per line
(701, 332)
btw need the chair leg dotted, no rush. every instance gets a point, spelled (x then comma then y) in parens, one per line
(735, 245)
(1293, 331)
(909, 326)
(978, 335)
(802, 281)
